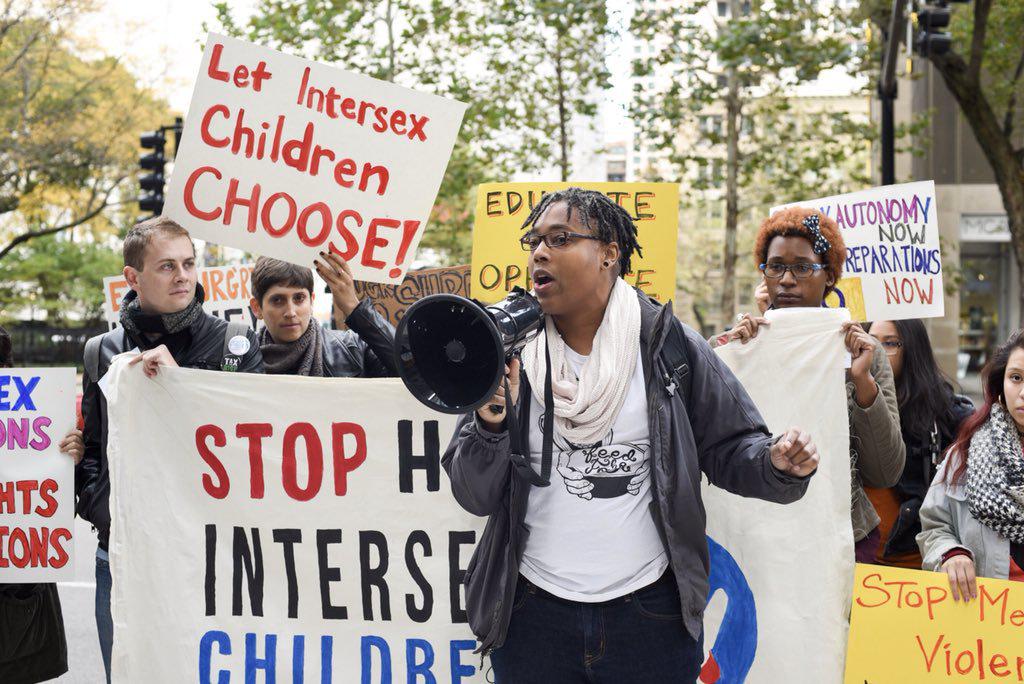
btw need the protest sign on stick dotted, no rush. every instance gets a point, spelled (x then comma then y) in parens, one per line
(893, 268)
(37, 482)
(286, 157)
(906, 627)
(499, 263)
(391, 301)
(288, 528)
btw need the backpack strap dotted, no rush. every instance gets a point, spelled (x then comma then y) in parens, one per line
(92, 357)
(677, 364)
(234, 351)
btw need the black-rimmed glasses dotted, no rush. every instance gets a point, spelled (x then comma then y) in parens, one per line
(531, 241)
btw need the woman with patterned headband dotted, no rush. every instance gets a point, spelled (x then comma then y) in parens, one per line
(801, 252)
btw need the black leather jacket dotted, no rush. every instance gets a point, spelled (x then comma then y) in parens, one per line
(365, 350)
(92, 480)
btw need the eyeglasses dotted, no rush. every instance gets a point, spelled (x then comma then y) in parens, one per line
(892, 347)
(531, 241)
(800, 271)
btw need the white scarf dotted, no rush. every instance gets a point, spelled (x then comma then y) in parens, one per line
(586, 408)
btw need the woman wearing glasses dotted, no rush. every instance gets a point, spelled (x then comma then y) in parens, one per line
(594, 562)
(801, 252)
(930, 417)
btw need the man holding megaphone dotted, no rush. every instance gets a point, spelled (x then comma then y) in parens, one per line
(594, 560)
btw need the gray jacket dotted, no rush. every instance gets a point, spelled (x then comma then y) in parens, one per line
(714, 429)
(947, 523)
(877, 451)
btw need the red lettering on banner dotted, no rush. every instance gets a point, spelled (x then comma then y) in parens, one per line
(190, 187)
(241, 74)
(351, 244)
(204, 126)
(290, 219)
(348, 452)
(31, 491)
(373, 241)
(220, 489)
(343, 465)
(255, 433)
(46, 491)
(31, 549)
(251, 203)
(314, 461)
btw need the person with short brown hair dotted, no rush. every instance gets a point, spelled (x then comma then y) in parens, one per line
(162, 316)
(294, 343)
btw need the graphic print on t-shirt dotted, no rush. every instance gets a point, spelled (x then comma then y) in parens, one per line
(605, 470)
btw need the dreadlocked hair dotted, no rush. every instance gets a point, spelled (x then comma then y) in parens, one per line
(605, 219)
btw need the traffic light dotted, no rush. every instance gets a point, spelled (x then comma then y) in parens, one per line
(930, 20)
(152, 184)
(930, 39)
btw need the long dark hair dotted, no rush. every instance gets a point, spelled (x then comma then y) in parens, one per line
(924, 392)
(992, 382)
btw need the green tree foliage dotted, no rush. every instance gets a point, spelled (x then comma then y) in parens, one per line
(740, 118)
(58, 277)
(502, 59)
(69, 128)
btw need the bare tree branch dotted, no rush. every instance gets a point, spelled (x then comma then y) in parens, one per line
(1011, 106)
(92, 213)
(981, 10)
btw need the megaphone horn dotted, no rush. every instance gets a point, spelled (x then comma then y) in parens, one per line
(451, 350)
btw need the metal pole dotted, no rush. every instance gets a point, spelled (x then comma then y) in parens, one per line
(888, 138)
(887, 92)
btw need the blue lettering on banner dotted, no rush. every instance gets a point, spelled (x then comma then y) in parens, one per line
(215, 663)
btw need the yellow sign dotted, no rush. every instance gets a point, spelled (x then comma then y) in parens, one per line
(499, 263)
(906, 627)
(849, 293)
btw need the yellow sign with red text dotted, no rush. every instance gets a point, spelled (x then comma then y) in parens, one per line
(499, 263)
(906, 627)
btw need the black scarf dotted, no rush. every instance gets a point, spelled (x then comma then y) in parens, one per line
(150, 330)
(304, 356)
(995, 476)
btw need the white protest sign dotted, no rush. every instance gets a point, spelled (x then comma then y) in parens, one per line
(893, 268)
(782, 576)
(287, 157)
(37, 482)
(226, 290)
(288, 528)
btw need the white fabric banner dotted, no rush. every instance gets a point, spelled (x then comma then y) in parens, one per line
(37, 482)
(782, 576)
(283, 527)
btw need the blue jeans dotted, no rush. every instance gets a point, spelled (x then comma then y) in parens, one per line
(635, 639)
(104, 623)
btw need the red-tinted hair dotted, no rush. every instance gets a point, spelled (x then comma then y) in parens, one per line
(790, 223)
(992, 381)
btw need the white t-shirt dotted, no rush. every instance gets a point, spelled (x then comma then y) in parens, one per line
(592, 537)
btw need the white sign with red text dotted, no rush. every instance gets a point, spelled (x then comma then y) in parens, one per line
(286, 157)
(37, 482)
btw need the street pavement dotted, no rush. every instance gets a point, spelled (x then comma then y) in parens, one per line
(77, 602)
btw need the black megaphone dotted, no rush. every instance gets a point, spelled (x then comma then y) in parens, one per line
(451, 350)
